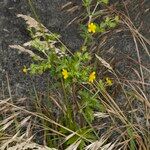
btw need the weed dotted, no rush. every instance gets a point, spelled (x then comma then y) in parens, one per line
(79, 99)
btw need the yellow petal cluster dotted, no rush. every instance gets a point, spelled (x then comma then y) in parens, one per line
(92, 77)
(25, 70)
(109, 81)
(92, 27)
(65, 73)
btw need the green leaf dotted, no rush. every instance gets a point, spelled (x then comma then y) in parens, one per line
(131, 136)
(39, 68)
(86, 3)
(104, 1)
(101, 85)
(107, 20)
(116, 19)
(112, 24)
(85, 132)
(89, 114)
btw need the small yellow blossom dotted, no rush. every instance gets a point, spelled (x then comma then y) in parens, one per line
(25, 70)
(109, 81)
(92, 27)
(65, 73)
(92, 77)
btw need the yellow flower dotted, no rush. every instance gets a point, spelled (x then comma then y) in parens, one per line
(65, 73)
(25, 70)
(92, 27)
(92, 77)
(109, 81)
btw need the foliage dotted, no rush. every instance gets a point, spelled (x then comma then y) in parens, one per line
(94, 25)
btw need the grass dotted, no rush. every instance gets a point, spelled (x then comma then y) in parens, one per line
(75, 112)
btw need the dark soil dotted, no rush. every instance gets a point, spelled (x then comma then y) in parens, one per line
(13, 31)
